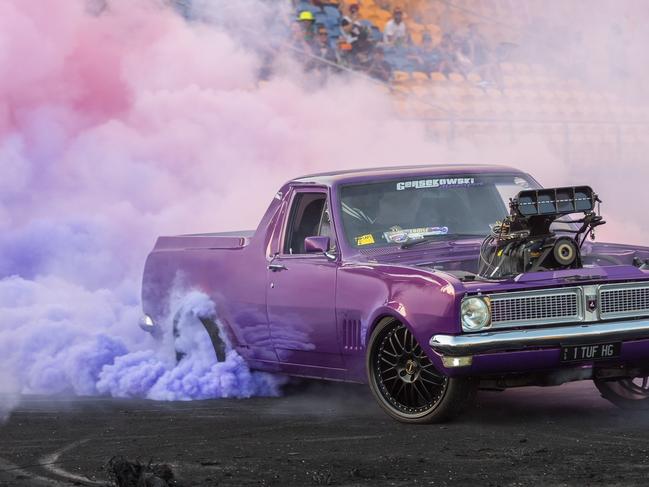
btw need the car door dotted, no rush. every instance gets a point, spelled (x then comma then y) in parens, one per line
(301, 291)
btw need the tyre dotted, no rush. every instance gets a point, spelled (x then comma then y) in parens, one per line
(405, 382)
(212, 330)
(630, 393)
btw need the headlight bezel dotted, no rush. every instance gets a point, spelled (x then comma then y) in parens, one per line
(482, 302)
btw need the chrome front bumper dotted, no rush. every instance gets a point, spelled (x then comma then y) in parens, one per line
(517, 340)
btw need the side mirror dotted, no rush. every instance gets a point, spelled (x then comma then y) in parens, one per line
(316, 245)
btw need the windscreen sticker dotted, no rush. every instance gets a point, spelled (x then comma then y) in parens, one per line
(521, 182)
(365, 239)
(436, 183)
(400, 236)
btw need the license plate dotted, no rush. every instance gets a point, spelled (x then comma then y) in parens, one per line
(600, 351)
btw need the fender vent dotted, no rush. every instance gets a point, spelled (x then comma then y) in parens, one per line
(351, 334)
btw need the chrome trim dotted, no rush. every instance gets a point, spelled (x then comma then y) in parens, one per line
(147, 324)
(612, 288)
(515, 340)
(577, 292)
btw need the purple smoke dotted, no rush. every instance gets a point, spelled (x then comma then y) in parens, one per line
(154, 374)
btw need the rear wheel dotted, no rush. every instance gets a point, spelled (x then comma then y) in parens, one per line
(405, 382)
(630, 393)
(212, 330)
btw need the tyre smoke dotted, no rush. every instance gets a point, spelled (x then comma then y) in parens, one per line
(156, 373)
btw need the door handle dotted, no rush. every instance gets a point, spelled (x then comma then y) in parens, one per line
(277, 267)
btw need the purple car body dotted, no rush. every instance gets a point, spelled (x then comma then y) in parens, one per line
(312, 314)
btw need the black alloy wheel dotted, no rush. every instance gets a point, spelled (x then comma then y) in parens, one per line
(405, 382)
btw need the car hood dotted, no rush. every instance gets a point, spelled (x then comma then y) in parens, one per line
(603, 262)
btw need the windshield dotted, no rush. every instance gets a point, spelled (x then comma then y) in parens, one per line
(402, 210)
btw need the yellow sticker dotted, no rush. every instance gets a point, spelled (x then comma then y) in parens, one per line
(365, 239)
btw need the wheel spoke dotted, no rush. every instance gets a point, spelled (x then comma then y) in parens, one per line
(431, 377)
(392, 377)
(412, 395)
(394, 355)
(419, 386)
(401, 388)
(401, 346)
(392, 364)
(436, 383)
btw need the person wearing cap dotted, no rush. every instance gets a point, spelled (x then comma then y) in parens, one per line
(307, 21)
(306, 16)
(395, 32)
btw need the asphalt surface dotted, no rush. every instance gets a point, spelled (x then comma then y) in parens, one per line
(331, 435)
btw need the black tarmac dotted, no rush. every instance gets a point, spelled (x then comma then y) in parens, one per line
(330, 434)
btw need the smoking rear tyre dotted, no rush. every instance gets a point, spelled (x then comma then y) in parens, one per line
(626, 393)
(405, 382)
(212, 330)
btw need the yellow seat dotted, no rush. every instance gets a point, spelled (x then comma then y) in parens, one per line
(419, 76)
(437, 76)
(400, 76)
(456, 77)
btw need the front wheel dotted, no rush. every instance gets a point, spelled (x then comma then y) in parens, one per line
(405, 382)
(630, 393)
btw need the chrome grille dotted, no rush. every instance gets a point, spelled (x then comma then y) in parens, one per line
(623, 300)
(536, 307)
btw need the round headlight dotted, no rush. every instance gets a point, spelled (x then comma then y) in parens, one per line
(475, 314)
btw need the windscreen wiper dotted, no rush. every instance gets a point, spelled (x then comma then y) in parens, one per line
(427, 238)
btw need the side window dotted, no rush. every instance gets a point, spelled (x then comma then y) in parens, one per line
(309, 217)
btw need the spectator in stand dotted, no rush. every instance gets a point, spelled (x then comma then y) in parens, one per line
(361, 49)
(322, 48)
(379, 67)
(354, 14)
(345, 53)
(307, 21)
(346, 41)
(463, 63)
(395, 33)
(361, 60)
(426, 57)
(484, 61)
(474, 46)
(452, 59)
(297, 37)
(349, 31)
(448, 59)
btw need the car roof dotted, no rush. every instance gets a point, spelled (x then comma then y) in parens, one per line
(369, 174)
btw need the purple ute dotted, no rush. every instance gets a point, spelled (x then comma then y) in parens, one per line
(425, 282)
